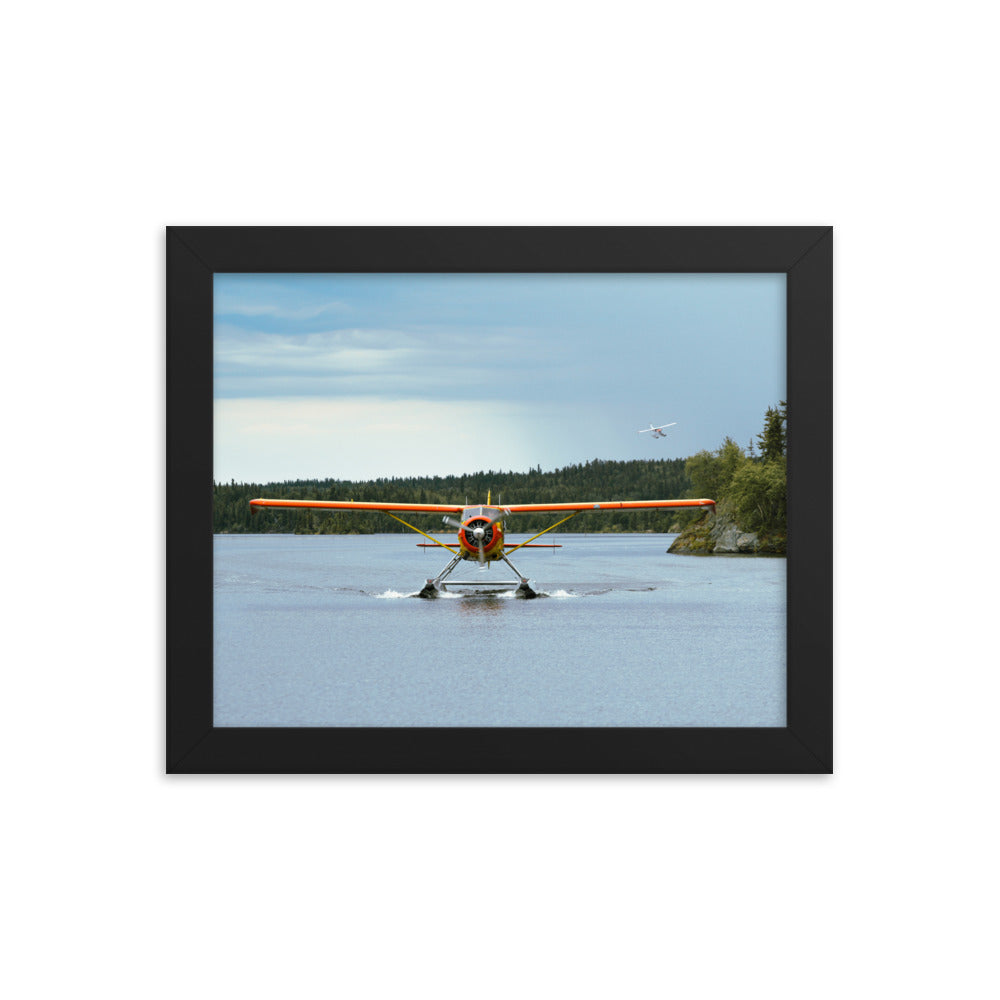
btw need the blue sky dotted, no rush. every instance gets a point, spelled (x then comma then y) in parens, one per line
(361, 376)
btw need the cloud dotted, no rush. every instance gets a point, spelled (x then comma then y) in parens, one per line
(334, 352)
(274, 439)
(251, 310)
(424, 363)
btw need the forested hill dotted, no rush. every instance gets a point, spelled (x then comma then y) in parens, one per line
(663, 479)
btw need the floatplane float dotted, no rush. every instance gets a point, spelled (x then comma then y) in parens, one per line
(480, 531)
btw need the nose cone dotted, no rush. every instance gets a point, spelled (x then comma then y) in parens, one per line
(481, 539)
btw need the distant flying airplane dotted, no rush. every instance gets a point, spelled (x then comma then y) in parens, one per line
(658, 431)
(480, 530)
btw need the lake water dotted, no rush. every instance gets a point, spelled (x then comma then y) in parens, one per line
(322, 630)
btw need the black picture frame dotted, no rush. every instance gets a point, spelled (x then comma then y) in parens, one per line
(803, 253)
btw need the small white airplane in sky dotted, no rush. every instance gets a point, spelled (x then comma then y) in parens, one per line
(658, 431)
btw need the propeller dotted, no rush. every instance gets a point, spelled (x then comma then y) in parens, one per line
(475, 535)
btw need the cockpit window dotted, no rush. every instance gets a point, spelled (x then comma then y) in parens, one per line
(482, 511)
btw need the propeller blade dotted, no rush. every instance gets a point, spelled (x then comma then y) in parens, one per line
(482, 558)
(451, 522)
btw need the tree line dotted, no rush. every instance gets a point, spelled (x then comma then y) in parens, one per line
(595, 480)
(748, 484)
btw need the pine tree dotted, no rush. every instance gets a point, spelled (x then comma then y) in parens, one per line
(772, 439)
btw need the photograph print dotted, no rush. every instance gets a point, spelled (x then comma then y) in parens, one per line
(499, 500)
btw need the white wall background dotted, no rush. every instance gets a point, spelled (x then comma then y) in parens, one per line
(876, 117)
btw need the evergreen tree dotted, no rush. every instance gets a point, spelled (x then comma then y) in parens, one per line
(711, 472)
(772, 439)
(758, 495)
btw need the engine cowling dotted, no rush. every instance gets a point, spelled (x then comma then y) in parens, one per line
(477, 530)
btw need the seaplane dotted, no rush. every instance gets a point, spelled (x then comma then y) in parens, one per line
(480, 531)
(657, 432)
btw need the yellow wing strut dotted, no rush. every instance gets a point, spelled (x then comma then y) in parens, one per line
(424, 533)
(540, 533)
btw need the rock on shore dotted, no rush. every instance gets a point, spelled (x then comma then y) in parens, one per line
(719, 534)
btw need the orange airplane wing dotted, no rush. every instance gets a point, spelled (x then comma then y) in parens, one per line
(530, 508)
(416, 508)
(445, 508)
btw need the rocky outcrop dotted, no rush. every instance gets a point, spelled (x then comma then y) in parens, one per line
(730, 540)
(719, 534)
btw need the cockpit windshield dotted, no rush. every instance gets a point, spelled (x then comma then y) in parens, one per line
(487, 512)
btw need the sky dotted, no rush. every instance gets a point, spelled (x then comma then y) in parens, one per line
(361, 376)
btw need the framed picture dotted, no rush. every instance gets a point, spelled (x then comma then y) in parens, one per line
(336, 374)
